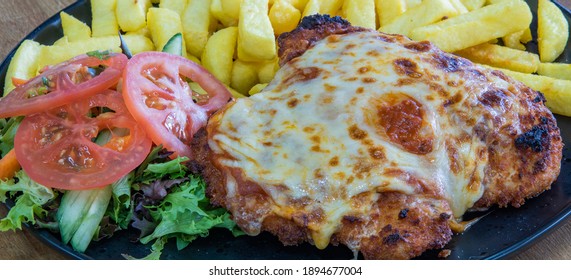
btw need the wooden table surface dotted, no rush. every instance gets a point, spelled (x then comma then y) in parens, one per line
(20, 17)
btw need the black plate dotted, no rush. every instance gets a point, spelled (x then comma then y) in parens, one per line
(498, 235)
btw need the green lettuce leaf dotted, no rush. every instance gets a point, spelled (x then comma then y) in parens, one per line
(174, 169)
(7, 132)
(172, 203)
(185, 213)
(28, 205)
(121, 210)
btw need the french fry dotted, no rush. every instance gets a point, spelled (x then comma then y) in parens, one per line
(526, 37)
(256, 39)
(104, 20)
(513, 40)
(360, 13)
(476, 27)
(163, 24)
(311, 8)
(555, 70)
(61, 41)
(219, 52)
(132, 15)
(502, 57)
(459, 6)
(52, 55)
(232, 8)
(298, 4)
(143, 31)
(218, 13)
(557, 92)
(267, 70)
(552, 31)
(24, 64)
(174, 5)
(329, 7)
(473, 4)
(235, 93)
(193, 58)
(387, 10)
(429, 11)
(244, 76)
(138, 43)
(284, 16)
(257, 88)
(197, 23)
(412, 3)
(73, 28)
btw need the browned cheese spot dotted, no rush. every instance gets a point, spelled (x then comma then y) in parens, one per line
(293, 102)
(317, 149)
(308, 129)
(500, 75)
(405, 81)
(302, 74)
(422, 46)
(318, 173)
(406, 67)
(453, 157)
(377, 153)
(330, 88)
(315, 139)
(363, 70)
(357, 133)
(449, 62)
(453, 100)
(362, 168)
(350, 180)
(493, 98)
(385, 38)
(369, 80)
(334, 161)
(439, 89)
(373, 53)
(360, 90)
(452, 83)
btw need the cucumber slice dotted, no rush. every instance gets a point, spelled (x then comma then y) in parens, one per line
(92, 218)
(80, 212)
(174, 45)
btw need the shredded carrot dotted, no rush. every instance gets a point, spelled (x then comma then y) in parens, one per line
(9, 165)
(18, 82)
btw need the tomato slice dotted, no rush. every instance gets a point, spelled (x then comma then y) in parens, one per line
(56, 147)
(75, 79)
(157, 93)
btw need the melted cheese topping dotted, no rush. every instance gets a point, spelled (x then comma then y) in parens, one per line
(353, 115)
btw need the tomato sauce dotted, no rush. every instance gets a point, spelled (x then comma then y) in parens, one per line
(403, 122)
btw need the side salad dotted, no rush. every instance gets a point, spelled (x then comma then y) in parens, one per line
(103, 142)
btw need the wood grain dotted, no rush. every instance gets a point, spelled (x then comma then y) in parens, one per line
(20, 17)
